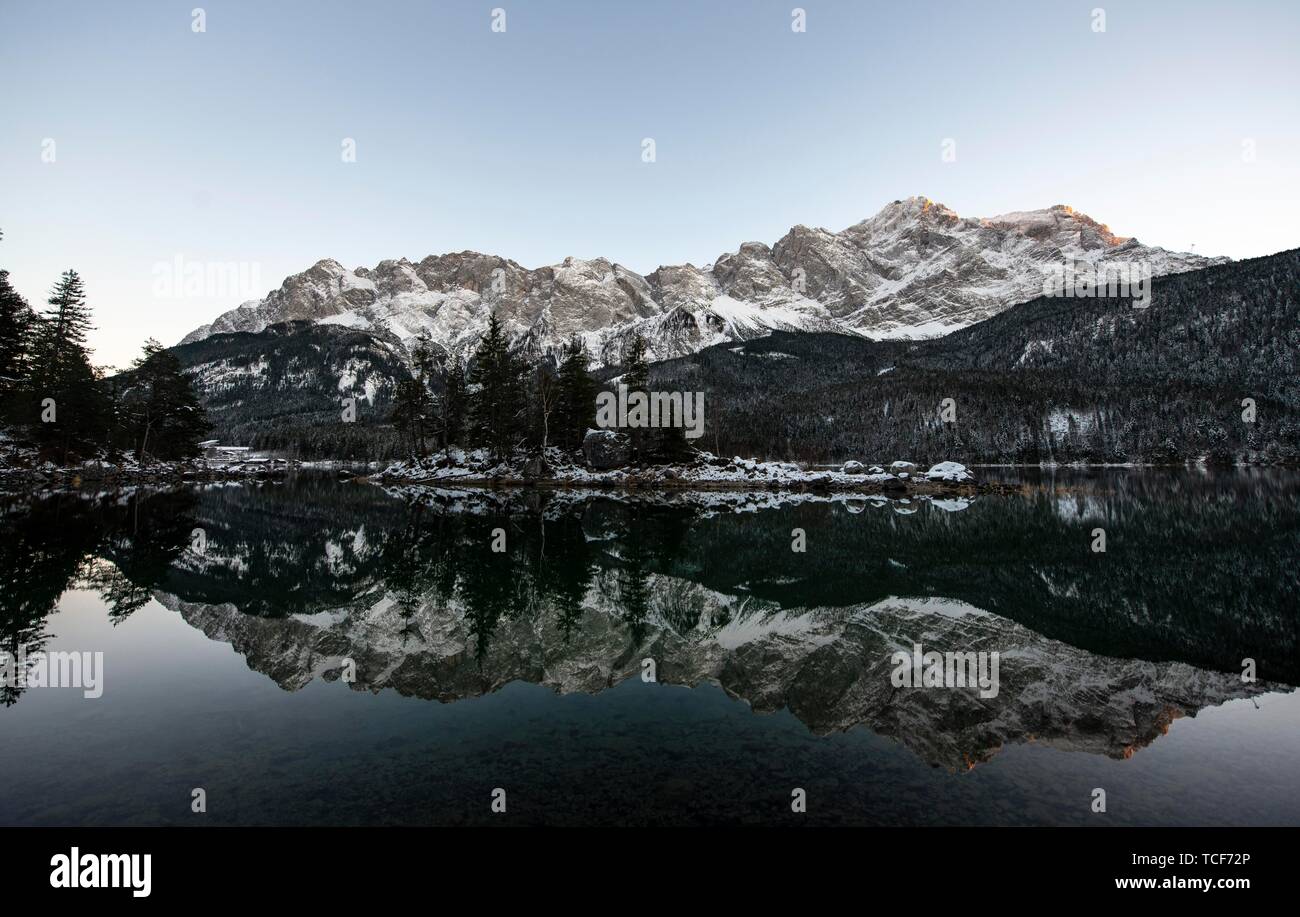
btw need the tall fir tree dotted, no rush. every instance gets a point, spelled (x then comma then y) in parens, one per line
(454, 404)
(64, 326)
(413, 405)
(636, 376)
(159, 409)
(16, 325)
(668, 444)
(636, 366)
(412, 412)
(498, 394)
(649, 445)
(67, 406)
(575, 411)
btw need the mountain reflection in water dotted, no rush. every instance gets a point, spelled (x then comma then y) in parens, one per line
(1100, 652)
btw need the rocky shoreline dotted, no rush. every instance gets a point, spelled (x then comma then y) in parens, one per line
(109, 474)
(556, 470)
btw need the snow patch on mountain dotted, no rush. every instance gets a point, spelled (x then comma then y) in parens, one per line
(914, 270)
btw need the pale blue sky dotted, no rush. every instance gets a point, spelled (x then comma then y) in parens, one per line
(225, 145)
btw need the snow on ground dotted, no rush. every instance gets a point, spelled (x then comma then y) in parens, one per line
(1061, 419)
(952, 472)
(764, 354)
(348, 319)
(930, 329)
(706, 470)
(749, 318)
(22, 464)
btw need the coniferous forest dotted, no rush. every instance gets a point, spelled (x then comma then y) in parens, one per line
(506, 401)
(348, 394)
(1207, 370)
(54, 399)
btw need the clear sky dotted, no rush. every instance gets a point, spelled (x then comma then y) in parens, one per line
(226, 145)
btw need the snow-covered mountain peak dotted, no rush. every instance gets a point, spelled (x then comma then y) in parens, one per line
(1057, 221)
(914, 269)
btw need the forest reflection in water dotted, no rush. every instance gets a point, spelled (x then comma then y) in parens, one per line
(1101, 651)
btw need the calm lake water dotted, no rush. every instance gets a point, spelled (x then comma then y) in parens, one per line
(317, 652)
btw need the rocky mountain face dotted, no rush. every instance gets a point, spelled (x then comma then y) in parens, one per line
(914, 270)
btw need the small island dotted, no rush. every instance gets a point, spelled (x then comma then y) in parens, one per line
(603, 463)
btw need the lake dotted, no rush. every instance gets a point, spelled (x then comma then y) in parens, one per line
(324, 652)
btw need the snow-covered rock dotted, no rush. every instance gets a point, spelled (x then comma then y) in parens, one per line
(900, 467)
(952, 472)
(852, 467)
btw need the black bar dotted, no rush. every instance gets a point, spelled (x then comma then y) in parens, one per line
(382, 866)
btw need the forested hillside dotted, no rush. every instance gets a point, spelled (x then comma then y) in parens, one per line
(286, 389)
(1053, 379)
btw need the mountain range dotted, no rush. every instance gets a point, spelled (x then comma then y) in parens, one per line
(914, 270)
(1205, 368)
(898, 314)
(1051, 379)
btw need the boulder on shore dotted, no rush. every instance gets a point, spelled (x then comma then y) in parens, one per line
(605, 449)
(537, 467)
(852, 468)
(952, 472)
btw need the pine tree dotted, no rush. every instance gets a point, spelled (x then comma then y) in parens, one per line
(453, 404)
(413, 407)
(16, 325)
(663, 444)
(61, 338)
(412, 412)
(575, 411)
(498, 399)
(159, 408)
(636, 368)
(636, 376)
(668, 444)
(61, 372)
